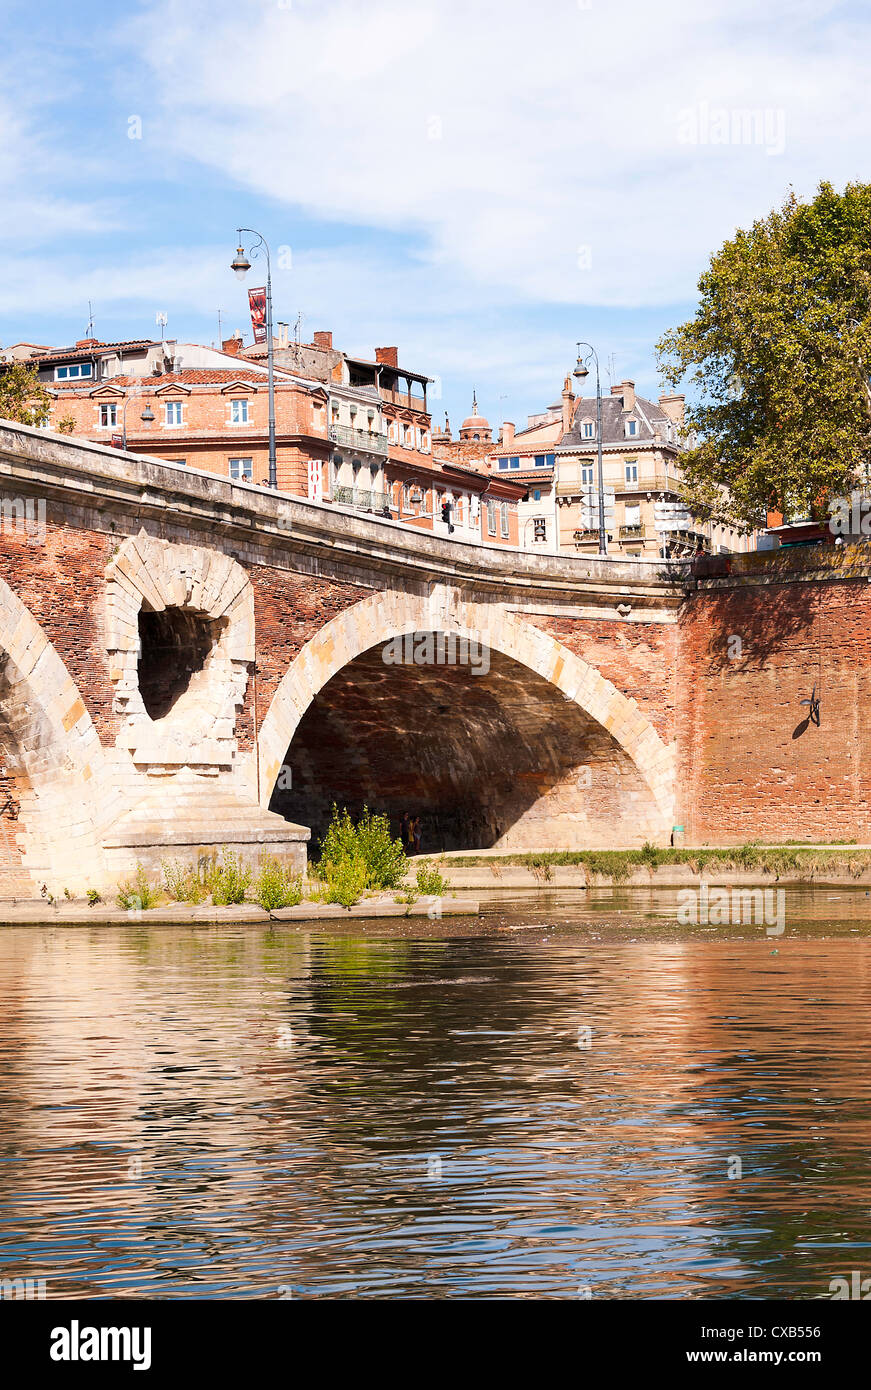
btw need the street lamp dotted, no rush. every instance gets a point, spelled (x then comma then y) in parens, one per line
(582, 372)
(240, 265)
(147, 415)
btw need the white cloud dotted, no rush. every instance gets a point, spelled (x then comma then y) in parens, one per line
(506, 135)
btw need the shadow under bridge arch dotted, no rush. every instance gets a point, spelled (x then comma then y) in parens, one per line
(489, 729)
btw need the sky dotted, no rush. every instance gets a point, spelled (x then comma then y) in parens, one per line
(479, 182)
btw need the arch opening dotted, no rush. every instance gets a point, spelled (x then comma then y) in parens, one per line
(175, 644)
(488, 752)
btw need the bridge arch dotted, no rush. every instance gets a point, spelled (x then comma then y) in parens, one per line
(55, 797)
(562, 677)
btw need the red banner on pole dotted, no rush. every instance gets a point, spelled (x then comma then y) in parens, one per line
(257, 305)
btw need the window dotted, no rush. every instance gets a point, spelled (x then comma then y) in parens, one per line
(491, 516)
(108, 415)
(73, 373)
(633, 515)
(515, 463)
(406, 496)
(503, 508)
(182, 463)
(536, 494)
(550, 460)
(241, 470)
(632, 472)
(587, 473)
(588, 430)
(173, 412)
(238, 413)
(539, 528)
(503, 463)
(631, 428)
(539, 460)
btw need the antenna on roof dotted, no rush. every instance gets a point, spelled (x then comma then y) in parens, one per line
(220, 330)
(612, 368)
(160, 319)
(90, 332)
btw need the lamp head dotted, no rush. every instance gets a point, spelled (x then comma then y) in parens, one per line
(240, 263)
(147, 415)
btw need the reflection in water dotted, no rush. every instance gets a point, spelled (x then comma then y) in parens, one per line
(236, 1111)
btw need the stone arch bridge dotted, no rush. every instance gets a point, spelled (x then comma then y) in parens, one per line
(187, 662)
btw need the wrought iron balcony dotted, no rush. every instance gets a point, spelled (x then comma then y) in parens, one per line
(632, 533)
(363, 498)
(363, 441)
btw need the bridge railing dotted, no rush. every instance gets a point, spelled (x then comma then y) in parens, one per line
(365, 499)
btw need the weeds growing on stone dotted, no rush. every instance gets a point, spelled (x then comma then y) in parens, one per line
(369, 842)
(430, 881)
(182, 882)
(137, 894)
(229, 880)
(347, 881)
(275, 886)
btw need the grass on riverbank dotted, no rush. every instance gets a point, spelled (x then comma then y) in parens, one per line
(618, 864)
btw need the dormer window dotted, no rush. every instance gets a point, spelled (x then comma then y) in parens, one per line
(631, 428)
(108, 416)
(588, 430)
(74, 372)
(173, 412)
(238, 412)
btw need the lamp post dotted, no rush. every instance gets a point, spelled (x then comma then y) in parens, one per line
(582, 372)
(147, 416)
(241, 265)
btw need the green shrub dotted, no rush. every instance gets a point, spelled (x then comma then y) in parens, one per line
(93, 897)
(228, 881)
(384, 857)
(182, 882)
(137, 894)
(347, 881)
(368, 841)
(275, 886)
(430, 882)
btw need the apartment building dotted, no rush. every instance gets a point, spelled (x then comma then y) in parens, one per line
(646, 515)
(210, 418)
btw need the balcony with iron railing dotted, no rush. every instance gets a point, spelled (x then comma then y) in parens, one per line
(362, 441)
(365, 499)
(635, 532)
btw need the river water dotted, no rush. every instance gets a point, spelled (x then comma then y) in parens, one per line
(547, 1101)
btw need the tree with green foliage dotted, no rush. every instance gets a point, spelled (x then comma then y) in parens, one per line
(777, 358)
(23, 397)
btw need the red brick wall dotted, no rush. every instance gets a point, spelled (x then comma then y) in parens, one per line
(289, 609)
(748, 765)
(638, 658)
(63, 584)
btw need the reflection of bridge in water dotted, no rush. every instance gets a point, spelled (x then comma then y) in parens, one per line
(188, 662)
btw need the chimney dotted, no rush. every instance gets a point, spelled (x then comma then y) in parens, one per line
(88, 342)
(568, 405)
(617, 390)
(323, 340)
(233, 346)
(507, 434)
(628, 392)
(673, 407)
(389, 356)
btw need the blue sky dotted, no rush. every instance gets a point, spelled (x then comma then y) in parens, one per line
(479, 183)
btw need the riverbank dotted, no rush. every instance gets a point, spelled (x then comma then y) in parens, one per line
(73, 913)
(652, 867)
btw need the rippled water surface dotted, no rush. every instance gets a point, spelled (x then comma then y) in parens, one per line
(251, 1112)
